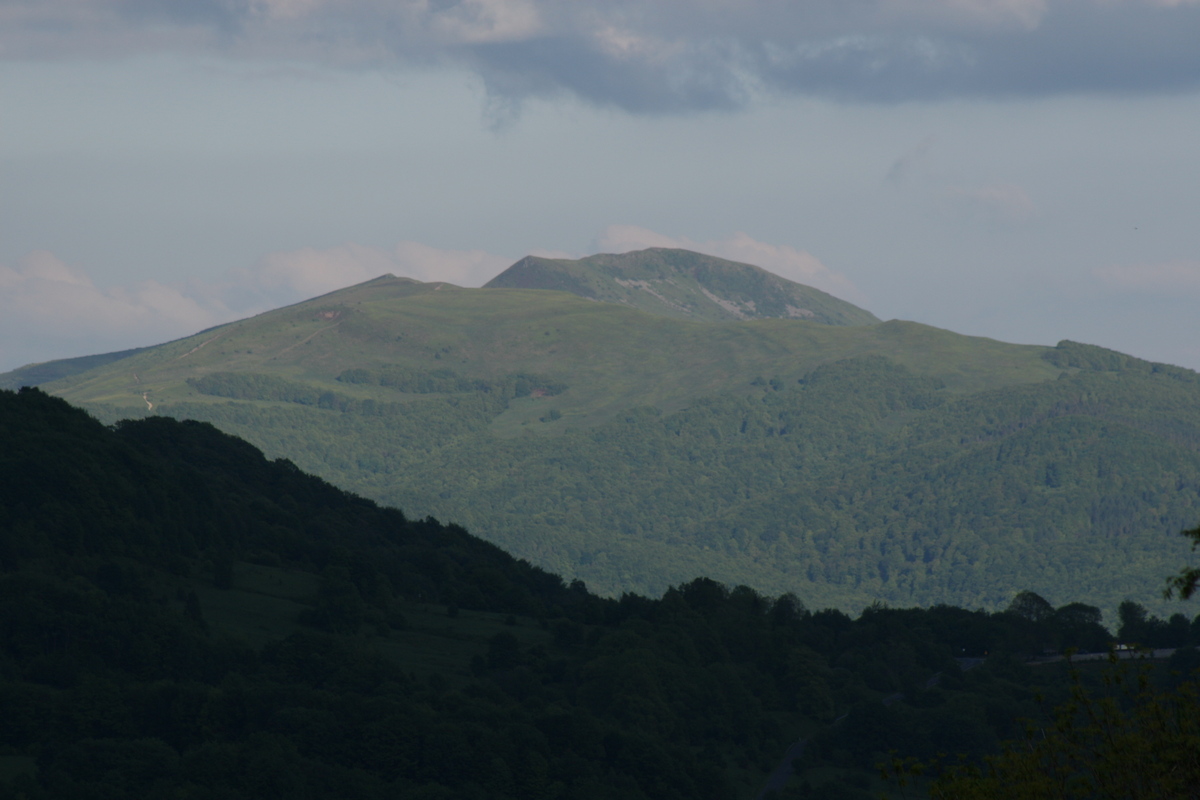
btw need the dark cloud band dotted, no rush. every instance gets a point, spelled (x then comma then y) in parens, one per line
(669, 56)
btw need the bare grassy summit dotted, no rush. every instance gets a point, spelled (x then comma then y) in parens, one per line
(680, 283)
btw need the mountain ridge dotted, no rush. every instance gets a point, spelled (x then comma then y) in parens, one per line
(684, 284)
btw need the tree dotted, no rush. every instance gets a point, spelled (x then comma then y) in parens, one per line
(1133, 741)
(1133, 622)
(1031, 606)
(1078, 614)
(1188, 579)
(1079, 626)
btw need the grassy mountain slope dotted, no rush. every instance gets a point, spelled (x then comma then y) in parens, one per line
(609, 357)
(45, 372)
(682, 284)
(633, 450)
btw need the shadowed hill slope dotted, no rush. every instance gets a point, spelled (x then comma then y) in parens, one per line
(164, 491)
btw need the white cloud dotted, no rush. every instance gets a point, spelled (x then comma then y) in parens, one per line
(42, 291)
(49, 309)
(788, 262)
(1170, 278)
(460, 267)
(308, 272)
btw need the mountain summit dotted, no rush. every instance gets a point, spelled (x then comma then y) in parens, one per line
(680, 283)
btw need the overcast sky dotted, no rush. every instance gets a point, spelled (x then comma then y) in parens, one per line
(1027, 170)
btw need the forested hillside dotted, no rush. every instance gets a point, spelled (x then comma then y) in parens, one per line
(859, 481)
(844, 463)
(181, 617)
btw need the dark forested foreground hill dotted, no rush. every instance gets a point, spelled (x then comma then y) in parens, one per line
(634, 449)
(180, 617)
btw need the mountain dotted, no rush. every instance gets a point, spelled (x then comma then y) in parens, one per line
(848, 464)
(682, 284)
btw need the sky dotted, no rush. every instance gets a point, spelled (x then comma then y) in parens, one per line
(1026, 170)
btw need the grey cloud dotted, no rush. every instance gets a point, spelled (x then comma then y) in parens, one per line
(672, 56)
(869, 67)
(1095, 47)
(701, 77)
(223, 15)
(1080, 47)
